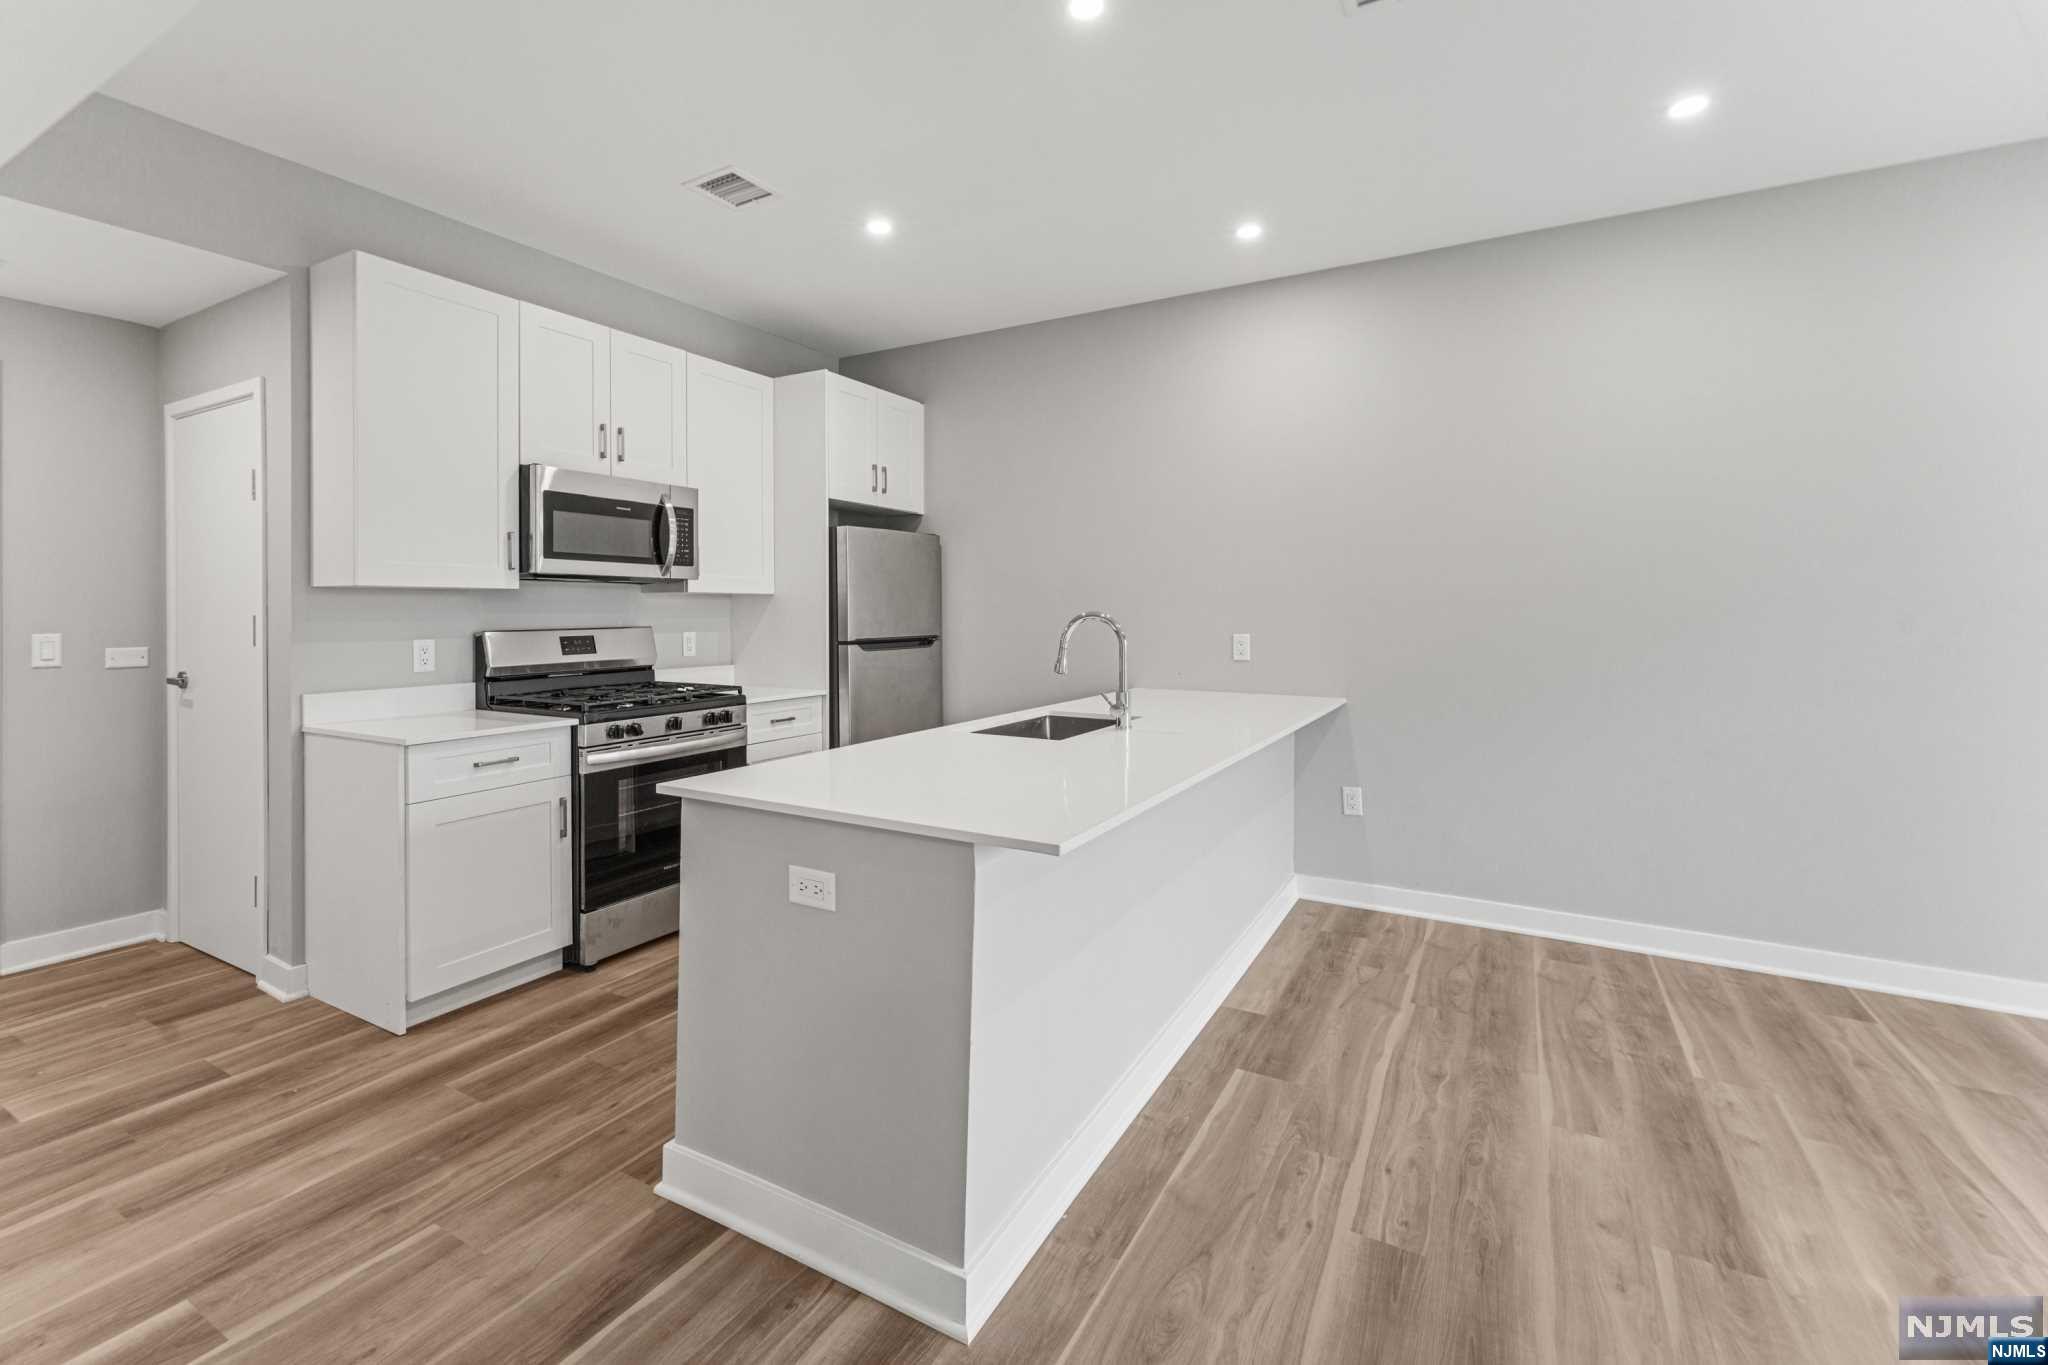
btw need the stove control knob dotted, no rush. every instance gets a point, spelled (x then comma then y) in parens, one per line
(723, 717)
(675, 722)
(634, 729)
(615, 732)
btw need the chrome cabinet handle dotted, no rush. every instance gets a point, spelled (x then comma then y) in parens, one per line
(874, 477)
(510, 561)
(495, 762)
(783, 720)
(621, 434)
(562, 812)
(600, 440)
(885, 478)
(182, 681)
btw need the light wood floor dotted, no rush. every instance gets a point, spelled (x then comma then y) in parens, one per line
(1398, 1142)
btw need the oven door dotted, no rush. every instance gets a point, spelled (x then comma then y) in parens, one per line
(594, 526)
(629, 834)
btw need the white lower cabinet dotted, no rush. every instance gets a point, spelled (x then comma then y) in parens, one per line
(419, 902)
(782, 729)
(487, 883)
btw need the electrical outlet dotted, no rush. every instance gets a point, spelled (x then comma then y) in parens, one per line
(689, 644)
(46, 651)
(813, 889)
(1241, 649)
(423, 656)
(1354, 800)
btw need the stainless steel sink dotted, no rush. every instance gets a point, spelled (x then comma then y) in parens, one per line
(1051, 726)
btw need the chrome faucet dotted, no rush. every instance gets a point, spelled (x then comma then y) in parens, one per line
(1120, 706)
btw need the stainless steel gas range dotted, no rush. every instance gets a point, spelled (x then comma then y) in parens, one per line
(632, 732)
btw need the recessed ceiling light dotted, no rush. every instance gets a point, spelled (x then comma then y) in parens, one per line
(1087, 11)
(1689, 107)
(1250, 232)
(880, 227)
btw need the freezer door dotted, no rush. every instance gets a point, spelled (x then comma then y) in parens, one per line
(880, 690)
(885, 585)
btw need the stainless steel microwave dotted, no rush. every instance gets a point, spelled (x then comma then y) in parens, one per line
(606, 529)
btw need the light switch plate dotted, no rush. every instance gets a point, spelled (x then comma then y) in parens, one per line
(689, 644)
(46, 651)
(1354, 800)
(1241, 648)
(423, 656)
(813, 889)
(128, 656)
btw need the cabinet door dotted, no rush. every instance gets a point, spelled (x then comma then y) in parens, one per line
(435, 475)
(855, 471)
(731, 443)
(649, 382)
(565, 391)
(899, 448)
(486, 883)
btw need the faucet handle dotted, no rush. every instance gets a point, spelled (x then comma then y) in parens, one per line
(1109, 700)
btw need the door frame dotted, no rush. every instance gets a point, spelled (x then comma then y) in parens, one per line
(246, 390)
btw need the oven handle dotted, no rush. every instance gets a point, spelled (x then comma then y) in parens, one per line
(599, 760)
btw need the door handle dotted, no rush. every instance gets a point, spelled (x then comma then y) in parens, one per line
(181, 681)
(621, 434)
(562, 812)
(600, 440)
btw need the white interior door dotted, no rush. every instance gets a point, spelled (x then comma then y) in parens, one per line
(213, 485)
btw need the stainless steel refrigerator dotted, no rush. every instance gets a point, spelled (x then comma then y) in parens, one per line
(885, 633)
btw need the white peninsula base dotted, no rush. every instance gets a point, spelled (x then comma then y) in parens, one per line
(908, 1091)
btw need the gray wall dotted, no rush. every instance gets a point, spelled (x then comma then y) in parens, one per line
(123, 165)
(1684, 568)
(82, 552)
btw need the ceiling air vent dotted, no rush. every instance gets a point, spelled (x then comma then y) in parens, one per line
(728, 186)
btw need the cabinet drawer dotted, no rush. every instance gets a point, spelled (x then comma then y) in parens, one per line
(759, 752)
(433, 771)
(784, 719)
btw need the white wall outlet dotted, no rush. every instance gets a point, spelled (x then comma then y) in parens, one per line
(1354, 800)
(689, 644)
(1241, 648)
(128, 656)
(46, 651)
(813, 889)
(423, 656)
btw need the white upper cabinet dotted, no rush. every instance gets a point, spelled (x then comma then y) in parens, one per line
(873, 440)
(899, 449)
(649, 400)
(731, 448)
(565, 391)
(415, 417)
(854, 464)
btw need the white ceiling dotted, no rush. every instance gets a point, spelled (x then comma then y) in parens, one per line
(1037, 168)
(88, 267)
(53, 53)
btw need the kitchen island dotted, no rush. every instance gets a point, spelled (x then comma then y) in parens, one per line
(906, 1090)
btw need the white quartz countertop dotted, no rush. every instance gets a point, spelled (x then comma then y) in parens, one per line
(767, 696)
(433, 729)
(1046, 796)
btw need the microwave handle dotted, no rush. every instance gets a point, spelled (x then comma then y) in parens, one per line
(668, 559)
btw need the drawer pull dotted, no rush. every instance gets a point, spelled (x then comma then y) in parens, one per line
(783, 720)
(494, 762)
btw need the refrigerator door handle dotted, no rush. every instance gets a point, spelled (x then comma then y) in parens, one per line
(914, 642)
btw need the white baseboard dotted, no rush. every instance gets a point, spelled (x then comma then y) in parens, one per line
(878, 1265)
(941, 1295)
(44, 949)
(281, 980)
(2009, 995)
(1002, 1257)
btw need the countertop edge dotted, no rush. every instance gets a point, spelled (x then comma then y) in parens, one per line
(353, 729)
(955, 834)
